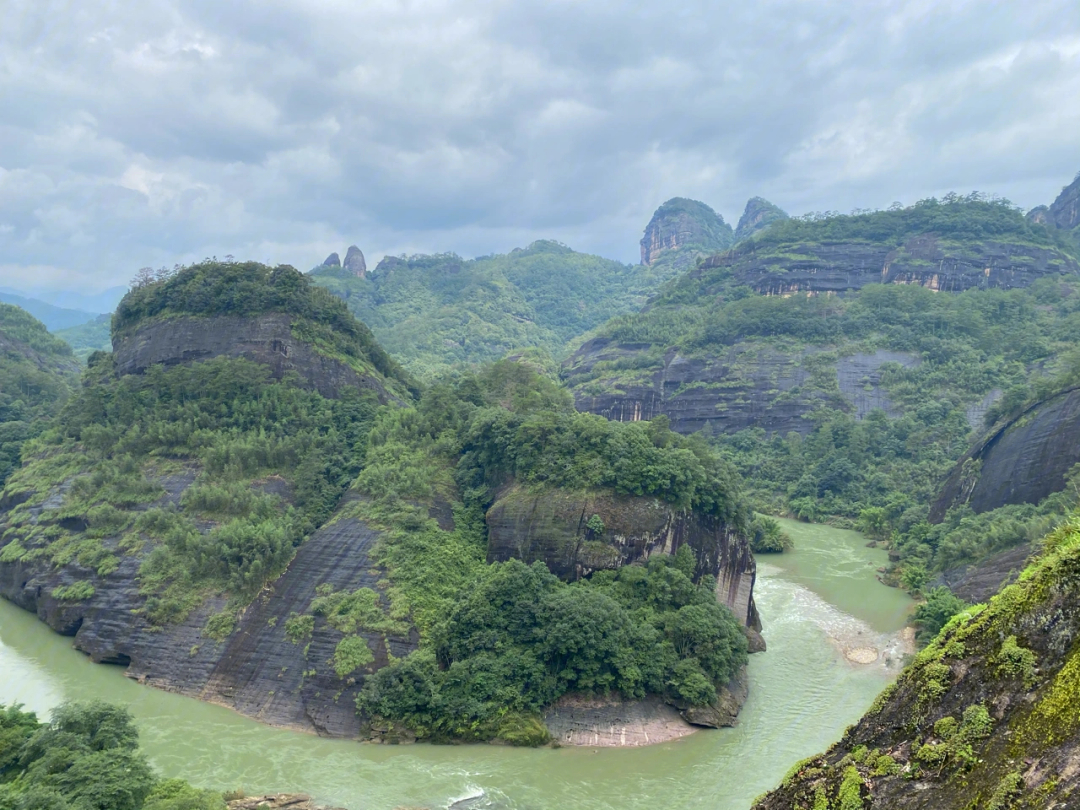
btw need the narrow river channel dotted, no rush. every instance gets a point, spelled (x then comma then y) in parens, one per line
(822, 609)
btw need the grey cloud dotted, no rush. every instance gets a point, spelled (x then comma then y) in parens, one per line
(170, 130)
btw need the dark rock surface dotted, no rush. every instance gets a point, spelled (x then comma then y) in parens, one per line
(977, 583)
(256, 670)
(1064, 212)
(924, 260)
(758, 215)
(333, 260)
(354, 262)
(748, 385)
(681, 223)
(550, 525)
(266, 339)
(1022, 461)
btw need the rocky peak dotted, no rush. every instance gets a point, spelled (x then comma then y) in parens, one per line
(684, 225)
(758, 215)
(333, 260)
(1065, 210)
(354, 262)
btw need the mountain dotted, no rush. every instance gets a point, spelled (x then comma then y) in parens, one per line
(87, 338)
(758, 215)
(983, 718)
(104, 301)
(250, 502)
(435, 312)
(681, 230)
(37, 372)
(821, 356)
(52, 316)
(1064, 212)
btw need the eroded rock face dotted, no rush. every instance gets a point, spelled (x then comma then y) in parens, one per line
(256, 670)
(924, 260)
(680, 223)
(266, 339)
(1064, 212)
(354, 262)
(333, 260)
(552, 526)
(746, 385)
(1022, 461)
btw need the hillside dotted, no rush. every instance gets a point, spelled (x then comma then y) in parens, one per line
(90, 337)
(434, 312)
(52, 316)
(680, 231)
(36, 375)
(851, 400)
(240, 505)
(985, 717)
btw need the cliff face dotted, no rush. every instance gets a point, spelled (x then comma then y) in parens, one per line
(256, 670)
(681, 224)
(1064, 212)
(984, 718)
(266, 339)
(1022, 461)
(925, 260)
(749, 385)
(553, 526)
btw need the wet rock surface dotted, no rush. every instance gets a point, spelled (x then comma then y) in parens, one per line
(977, 583)
(1021, 461)
(265, 339)
(278, 801)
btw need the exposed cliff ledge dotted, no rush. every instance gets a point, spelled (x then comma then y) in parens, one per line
(266, 339)
(1022, 461)
(684, 228)
(552, 526)
(256, 670)
(748, 385)
(835, 267)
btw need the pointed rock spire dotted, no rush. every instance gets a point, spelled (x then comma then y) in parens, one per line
(354, 262)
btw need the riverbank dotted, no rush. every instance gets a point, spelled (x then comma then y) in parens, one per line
(803, 692)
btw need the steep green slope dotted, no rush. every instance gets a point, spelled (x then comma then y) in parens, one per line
(90, 337)
(847, 407)
(36, 373)
(434, 312)
(680, 231)
(984, 718)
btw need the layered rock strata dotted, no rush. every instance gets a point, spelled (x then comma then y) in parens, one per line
(266, 339)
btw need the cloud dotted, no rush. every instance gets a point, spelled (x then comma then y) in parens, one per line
(280, 130)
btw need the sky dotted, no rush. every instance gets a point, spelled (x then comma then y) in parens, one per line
(165, 131)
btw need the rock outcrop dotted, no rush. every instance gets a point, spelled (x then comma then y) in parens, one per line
(758, 215)
(685, 228)
(266, 339)
(333, 260)
(748, 385)
(985, 717)
(1021, 461)
(354, 262)
(1064, 212)
(553, 526)
(277, 801)
(926, 260)
(257, 670)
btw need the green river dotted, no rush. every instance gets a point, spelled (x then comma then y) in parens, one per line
(817, 603)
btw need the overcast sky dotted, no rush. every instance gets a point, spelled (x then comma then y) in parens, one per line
(162, 131)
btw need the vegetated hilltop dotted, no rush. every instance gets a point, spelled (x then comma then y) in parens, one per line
(225, 507)
(985, 717)
(53, 317)
(87, 338)
(36, 374)
(438, 311)
(758, 215)
(850, 406)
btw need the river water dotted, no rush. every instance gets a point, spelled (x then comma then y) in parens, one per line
(817, 603)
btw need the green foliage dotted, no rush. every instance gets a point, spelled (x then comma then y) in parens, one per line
(220, 626)
(87, 338)
(766, 536)
(521, 638)
(1009, 788)
(934, 613)
(1015, 661)
(299, 627)
(75, 592)
(224, 420)
(361, 609)
(351, 653)
(850, 794)
(248, 288)
(436, 312)
(87, 758)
